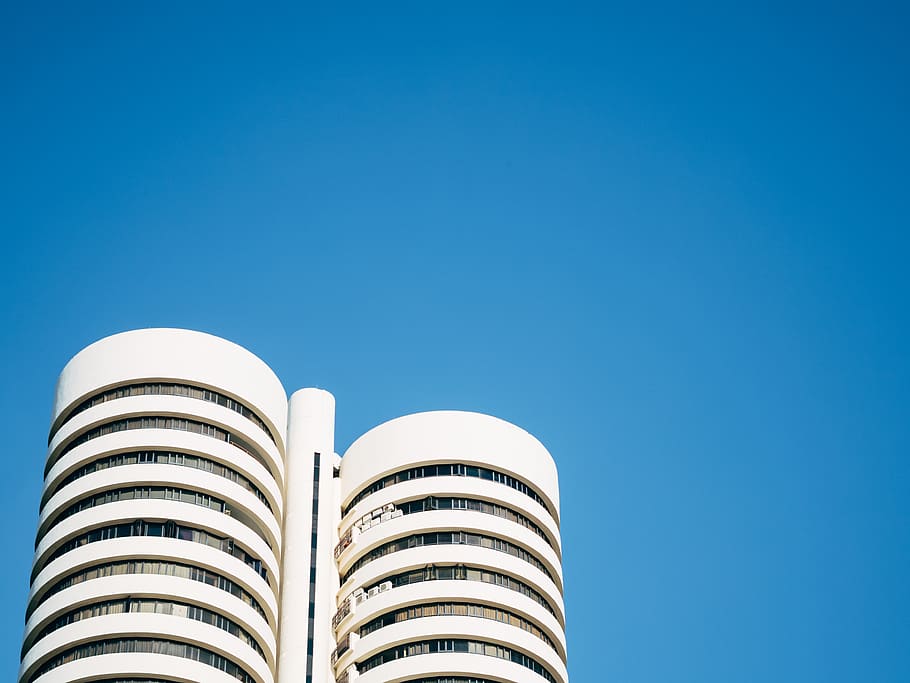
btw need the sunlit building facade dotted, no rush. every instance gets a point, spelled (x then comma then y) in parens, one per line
(197, 525)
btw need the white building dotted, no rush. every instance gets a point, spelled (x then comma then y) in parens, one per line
(196, 525)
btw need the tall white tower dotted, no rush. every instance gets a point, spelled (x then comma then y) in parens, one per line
(196, 525)
(449, 557)
(159, 537)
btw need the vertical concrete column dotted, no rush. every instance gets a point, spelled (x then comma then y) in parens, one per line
(308, 570)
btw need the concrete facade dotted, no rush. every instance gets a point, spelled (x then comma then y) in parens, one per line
(197, 525)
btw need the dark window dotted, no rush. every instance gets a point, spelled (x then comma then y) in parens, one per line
(154, 492)
(447, 470)
(158, 458)
(169, 389)
(149, 567)
(143, 645)
(168, 529)
(451, 503)
(446, 538)
(462, 609)
(426, 647)
(159, 422)
(149, 606)
(313, 543)
(461, 572)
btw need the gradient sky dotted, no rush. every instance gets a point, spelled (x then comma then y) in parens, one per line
(672, 243)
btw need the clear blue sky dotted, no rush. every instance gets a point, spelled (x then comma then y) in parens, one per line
(672, 243)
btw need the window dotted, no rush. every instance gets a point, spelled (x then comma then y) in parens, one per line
(461, 572)
(159, 422)
(154, 493)
(458, 609)
(143, 645)
(446, 470)
(447, 503)
(169, 389)
(159, 458)
(455, 645)
(446, 538)
(166, 529)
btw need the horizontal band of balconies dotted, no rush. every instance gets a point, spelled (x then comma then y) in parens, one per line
(138, 519)
(164, 389)
(156, 605)
(153, 457)
(431, 504)
(150, 549)
(129, 444)
(458, 528)
(167, 667)
(148, 568)
(436, 608)
(452, 583)
(423, 652)
(197, 488)
(437, 538)
(172, 413)
(459, 668)
(480, 564)
(454, 469)
(455, 487)
(178, 423)
(146, 626)
(164, 656)
(118, 589)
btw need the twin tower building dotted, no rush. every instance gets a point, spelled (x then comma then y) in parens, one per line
(196, 525)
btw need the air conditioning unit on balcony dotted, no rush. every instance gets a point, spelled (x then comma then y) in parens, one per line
(389, 507)
(385, 586)
(373, 592)
(397, 514)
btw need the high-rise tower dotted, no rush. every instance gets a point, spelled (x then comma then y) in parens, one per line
(196, 525)
(159, 539)
(450, 548)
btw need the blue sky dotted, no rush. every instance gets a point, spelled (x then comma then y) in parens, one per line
(672, 243)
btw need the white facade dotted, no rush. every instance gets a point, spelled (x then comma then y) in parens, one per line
(196, 525)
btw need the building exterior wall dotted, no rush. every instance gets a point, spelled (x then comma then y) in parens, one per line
(443, 494)
(186, 467)
(310, 533)
(197, 525)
